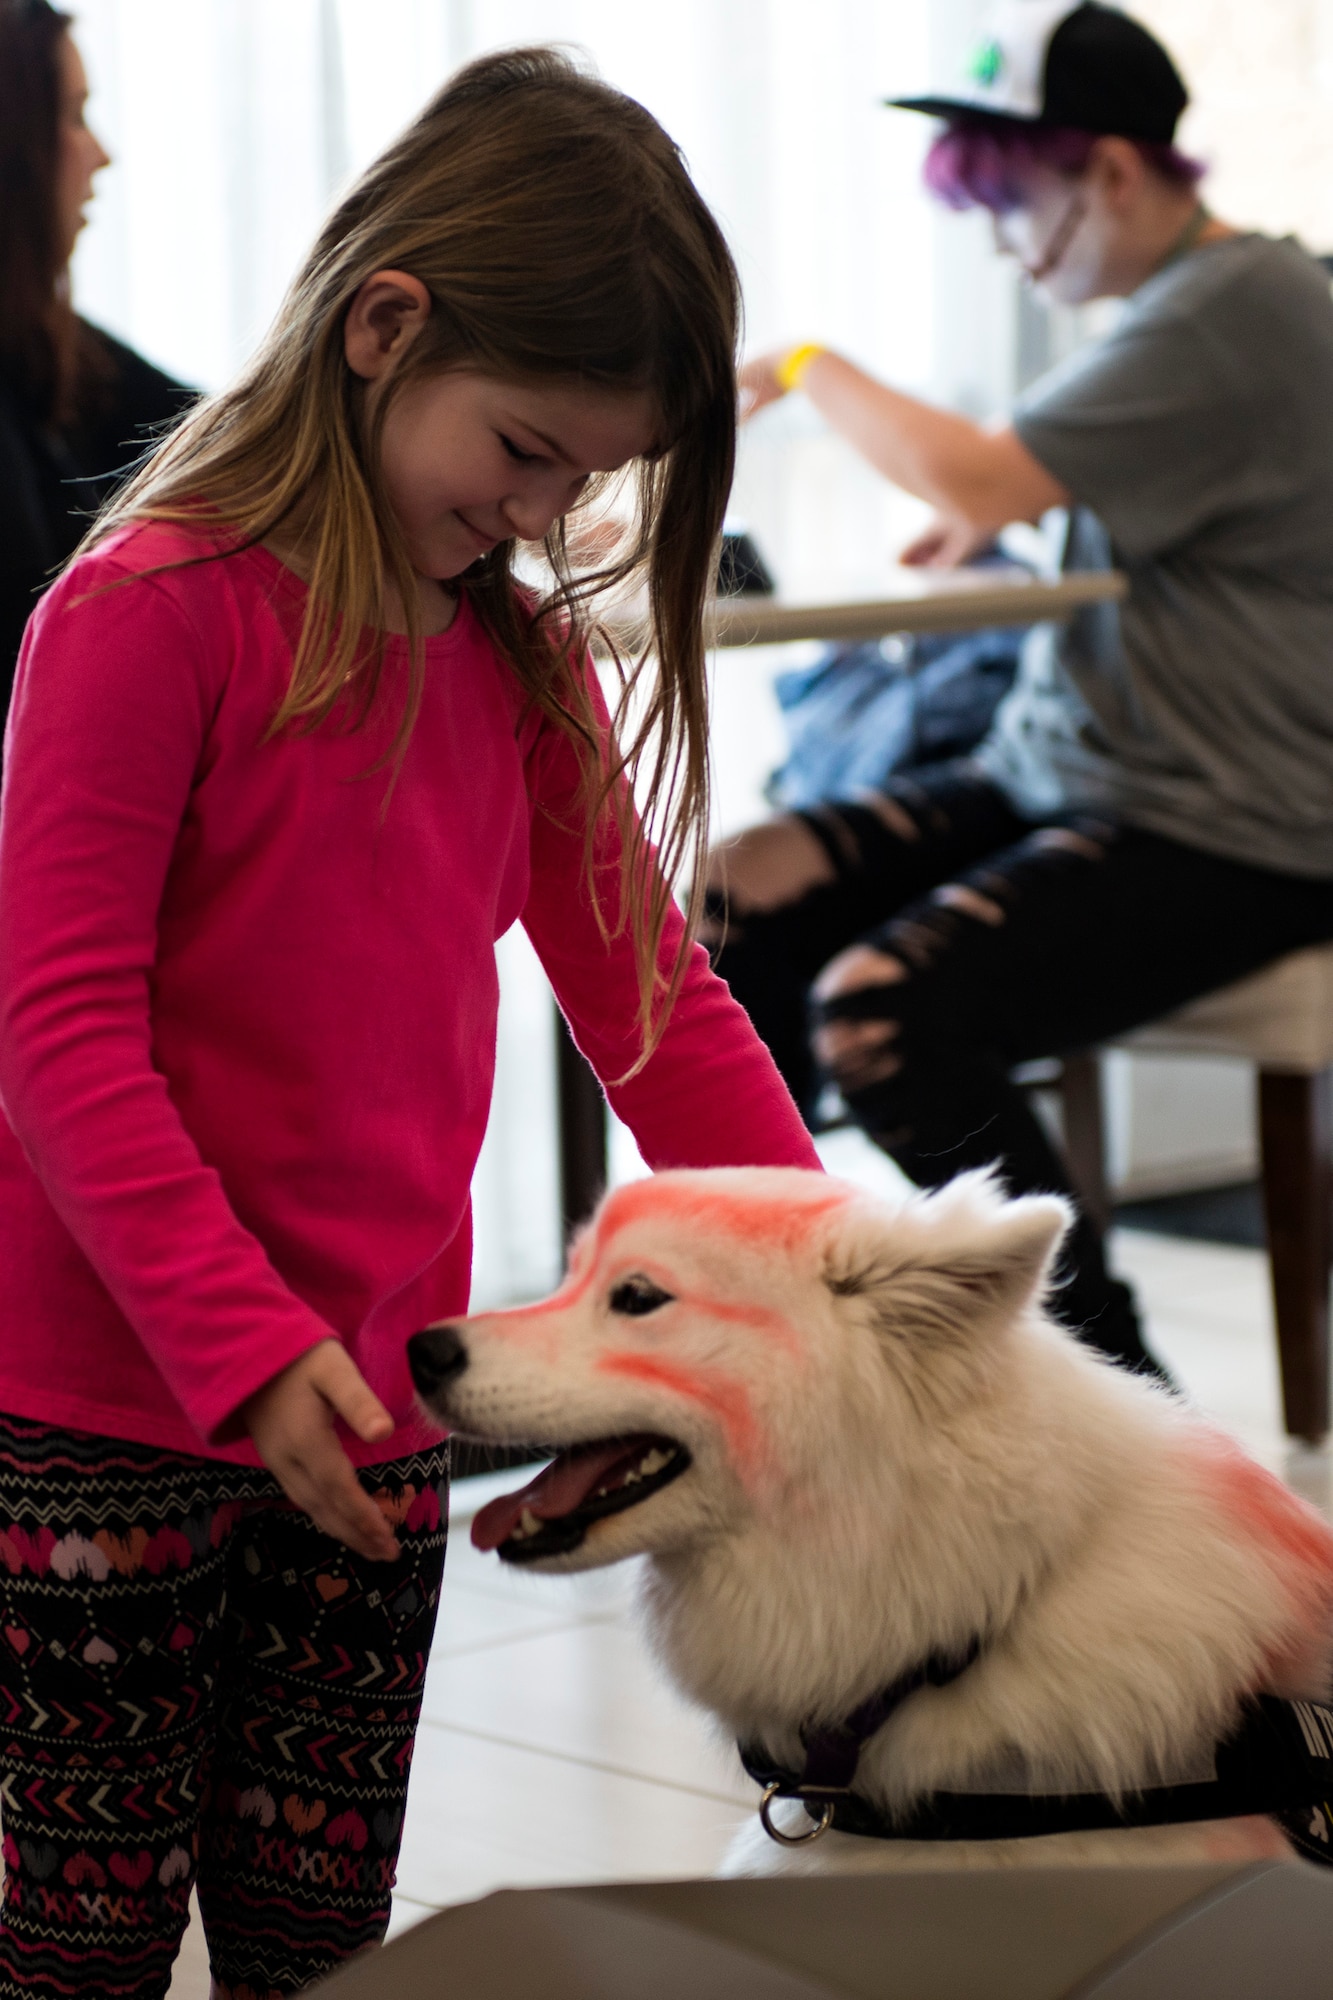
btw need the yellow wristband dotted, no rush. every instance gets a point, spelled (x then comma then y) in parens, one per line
(791, 369)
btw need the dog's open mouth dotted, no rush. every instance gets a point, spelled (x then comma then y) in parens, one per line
(552, 1514)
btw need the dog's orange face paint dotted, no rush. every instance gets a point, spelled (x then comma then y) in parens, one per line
(720, 1395)
(534, 1322)
(1272, 1513)
(728, 1312)
(761, 1221)
(758, 1318)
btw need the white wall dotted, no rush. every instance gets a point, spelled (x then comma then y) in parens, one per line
(1262, 80)
(1173, 1122)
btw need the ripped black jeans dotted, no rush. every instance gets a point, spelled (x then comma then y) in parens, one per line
(1001, 942)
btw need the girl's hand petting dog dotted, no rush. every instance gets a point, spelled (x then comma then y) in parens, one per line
(291, 1422)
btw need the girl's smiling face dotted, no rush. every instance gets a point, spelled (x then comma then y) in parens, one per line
(470, 459)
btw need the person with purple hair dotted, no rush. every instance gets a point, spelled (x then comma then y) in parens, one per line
(1151, 813)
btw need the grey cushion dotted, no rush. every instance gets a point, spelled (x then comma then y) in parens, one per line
(1281, 1018)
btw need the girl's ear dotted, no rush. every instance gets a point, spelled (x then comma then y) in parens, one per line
(383, 320)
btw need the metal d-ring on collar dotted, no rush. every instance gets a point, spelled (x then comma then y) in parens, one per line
(816, 1827)
(832, 1750)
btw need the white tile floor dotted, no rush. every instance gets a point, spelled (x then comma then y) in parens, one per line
(552, 1751)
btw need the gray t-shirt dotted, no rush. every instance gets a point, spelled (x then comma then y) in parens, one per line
(1197, 441)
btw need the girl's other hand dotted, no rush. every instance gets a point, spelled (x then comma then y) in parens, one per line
(291, 1423)
(944, 543)
(591, 543)
(757, 380)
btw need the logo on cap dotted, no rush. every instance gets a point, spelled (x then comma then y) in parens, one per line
(986, 63)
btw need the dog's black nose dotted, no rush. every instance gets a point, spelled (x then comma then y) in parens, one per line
(435, 1357)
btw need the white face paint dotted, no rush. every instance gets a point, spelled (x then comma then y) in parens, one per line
(1058, 234)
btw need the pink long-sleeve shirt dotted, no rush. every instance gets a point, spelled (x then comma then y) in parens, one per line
(248, 1004)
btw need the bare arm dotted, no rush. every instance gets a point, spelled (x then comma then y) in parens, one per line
(978, 479)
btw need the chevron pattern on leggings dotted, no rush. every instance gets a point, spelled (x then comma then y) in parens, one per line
(195, 1682)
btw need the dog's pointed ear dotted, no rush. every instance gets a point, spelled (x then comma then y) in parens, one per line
(973, 1260)
(1010, 1262)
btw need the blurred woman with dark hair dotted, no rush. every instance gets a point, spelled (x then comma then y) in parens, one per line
(1150, 816)
(76, 406)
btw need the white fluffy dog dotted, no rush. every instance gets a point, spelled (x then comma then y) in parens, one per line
(847, 1437)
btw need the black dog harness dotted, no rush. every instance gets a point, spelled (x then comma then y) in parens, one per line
(1277, 1762)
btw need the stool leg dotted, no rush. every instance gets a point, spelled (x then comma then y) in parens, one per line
(1085, 1132)
(1295, 1132)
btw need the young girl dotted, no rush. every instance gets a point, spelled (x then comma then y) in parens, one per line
(289, 751)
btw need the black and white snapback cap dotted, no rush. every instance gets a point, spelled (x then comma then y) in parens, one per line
(1089, 67)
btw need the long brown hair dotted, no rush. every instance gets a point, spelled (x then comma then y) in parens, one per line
(48, 357)
(556, 228)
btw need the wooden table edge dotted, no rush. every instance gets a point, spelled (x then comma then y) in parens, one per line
(763, 622)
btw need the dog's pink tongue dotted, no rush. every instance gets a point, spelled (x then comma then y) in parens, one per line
(557, 1490)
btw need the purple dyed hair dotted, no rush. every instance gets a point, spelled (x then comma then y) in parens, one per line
(982, 162)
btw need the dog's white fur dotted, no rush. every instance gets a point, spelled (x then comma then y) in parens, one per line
(895, 1450)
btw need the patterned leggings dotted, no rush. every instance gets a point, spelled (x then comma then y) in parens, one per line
(195, 1682)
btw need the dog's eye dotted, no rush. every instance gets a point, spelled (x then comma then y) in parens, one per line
(638, 1295)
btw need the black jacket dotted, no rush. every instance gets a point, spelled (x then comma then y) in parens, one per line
(51, 481)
